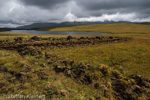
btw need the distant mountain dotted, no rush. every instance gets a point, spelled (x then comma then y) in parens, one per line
(145, 23)
(5, 29)
(44, 25)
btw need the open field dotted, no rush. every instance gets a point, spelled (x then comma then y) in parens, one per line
(124, 28)
(76, 68)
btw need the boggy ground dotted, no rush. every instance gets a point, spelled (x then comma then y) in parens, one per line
(34, 66)
(19, 43)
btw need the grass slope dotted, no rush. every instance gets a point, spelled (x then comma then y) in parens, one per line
(106, 28)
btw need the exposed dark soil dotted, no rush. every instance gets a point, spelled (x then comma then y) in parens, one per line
(57, 42)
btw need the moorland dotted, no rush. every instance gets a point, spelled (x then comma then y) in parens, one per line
(78, 67)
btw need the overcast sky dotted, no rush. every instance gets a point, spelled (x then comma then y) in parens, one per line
(21, 12)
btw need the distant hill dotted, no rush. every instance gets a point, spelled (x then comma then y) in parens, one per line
(44, 25)
(5, 29)
(145, 23)
(119, 28)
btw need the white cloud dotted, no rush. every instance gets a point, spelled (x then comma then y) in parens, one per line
(70, 17)
(110, 17)
(14, 12)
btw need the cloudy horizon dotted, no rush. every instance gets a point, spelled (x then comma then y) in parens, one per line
(21, 12)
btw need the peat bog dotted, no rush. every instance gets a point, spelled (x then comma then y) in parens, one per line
(34, 70)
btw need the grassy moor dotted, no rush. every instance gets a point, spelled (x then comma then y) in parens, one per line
(118, 28)
(78, 67)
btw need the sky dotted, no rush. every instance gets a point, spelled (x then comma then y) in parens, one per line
(14, 13)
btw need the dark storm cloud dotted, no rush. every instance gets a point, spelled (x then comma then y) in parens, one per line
(113, 4)
(44, 3)
(32, 11)
(99, 7)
